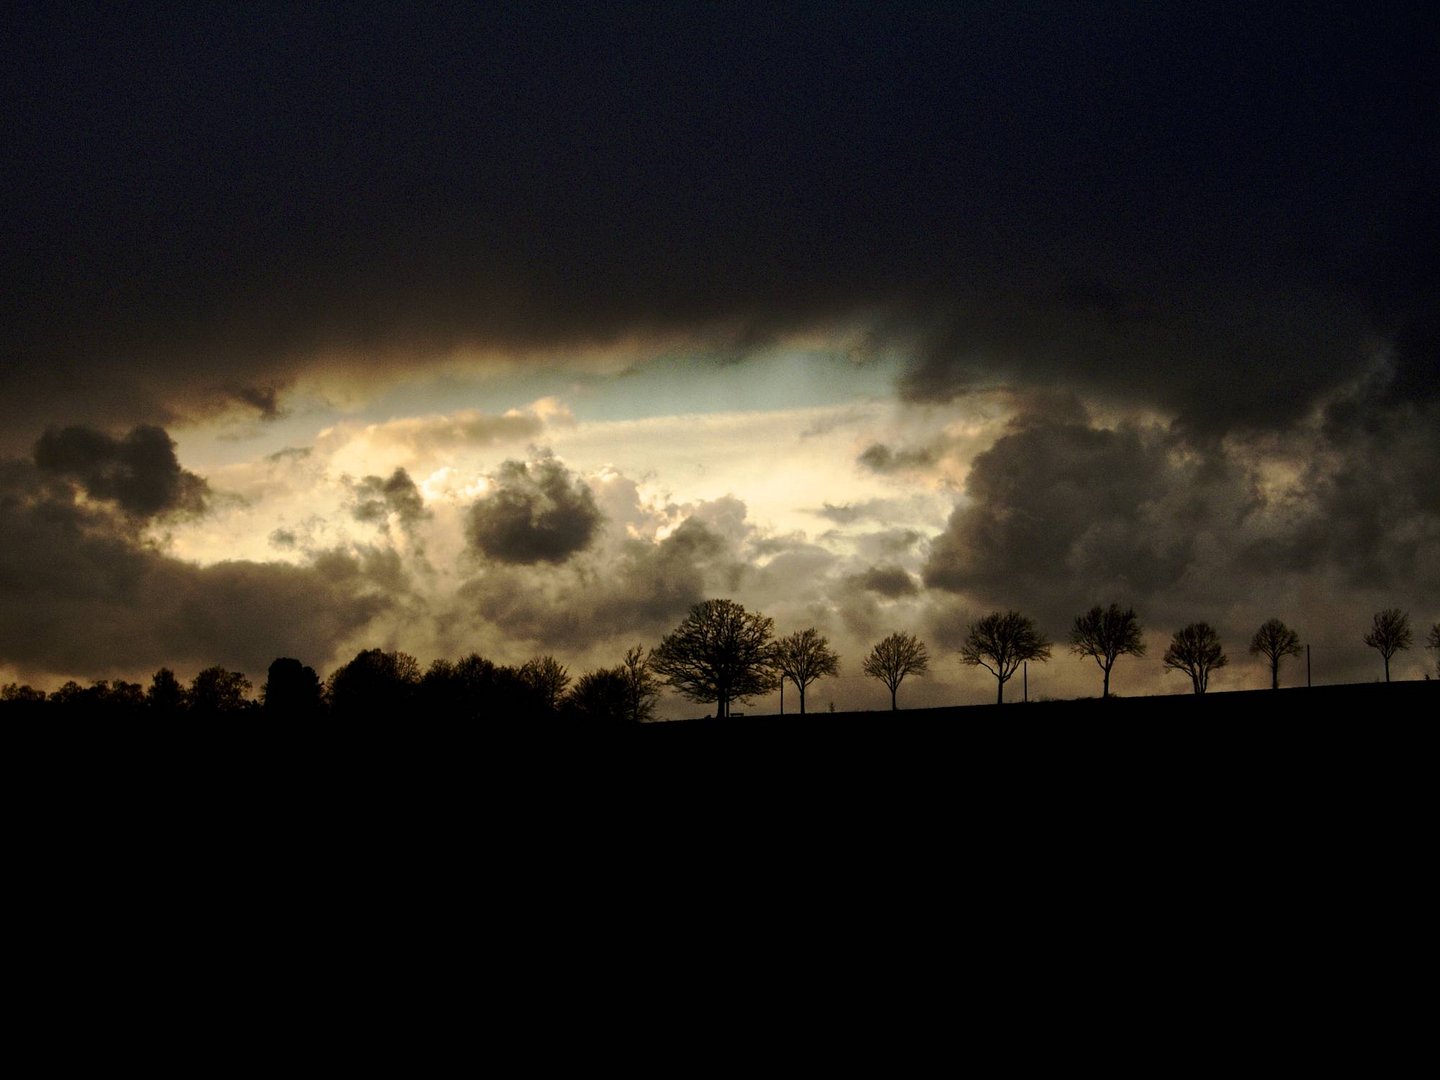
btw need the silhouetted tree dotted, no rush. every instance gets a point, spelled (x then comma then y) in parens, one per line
(600, 697)
(1433, 642)
(895, 657)
(215, 692)
(166, 697)
(1275, 641)
(127, 698)
(804, 657)
(720, 653)
(69, 697)
(459, 690)
(1389, 633)
(548, 678)
(1107, 634)
(374, 683)
(641, 688)
(1196, 650)
(292, 690)
(1000, 643)
(22, 701)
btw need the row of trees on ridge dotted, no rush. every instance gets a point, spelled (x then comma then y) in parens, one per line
(719, 654)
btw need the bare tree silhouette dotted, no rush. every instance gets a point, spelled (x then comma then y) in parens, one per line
(1389, 633)
(720, 653)
(804, 657)
(548, 677)
(641, 687)
(894, 658)
(1107, 634)
(1275, 641)
(1000, 643)
(1196, 650)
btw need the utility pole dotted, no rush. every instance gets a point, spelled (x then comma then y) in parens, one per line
(1025, 678)
(1307, 667)
(782, 695)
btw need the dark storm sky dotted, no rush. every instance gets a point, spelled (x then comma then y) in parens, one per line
(1215, 209)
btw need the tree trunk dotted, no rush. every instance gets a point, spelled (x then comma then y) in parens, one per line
(802, 698)
(1387, 669)
(892, 699)
(1275, 674)
(1106, 694)
(999, 691)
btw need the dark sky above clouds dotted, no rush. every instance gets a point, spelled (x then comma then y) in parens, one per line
(1218, 220)
(1216, 208)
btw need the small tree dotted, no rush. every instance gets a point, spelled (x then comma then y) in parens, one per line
(1196, 650)
(1107, 634)
(1389, 633)
(641, 688)
(1275, 641)
(720, 653)
(1000, 643)
(804, 657)
(1433, 642)
(895, 657)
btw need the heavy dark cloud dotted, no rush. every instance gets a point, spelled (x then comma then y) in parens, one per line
(1210, 208)
(1319, 528)
(81, 595)
(535, 512)
(376, 498)
(642, 593)
(1063, 508)
(888, 581)
(881, 458)
(139, 473)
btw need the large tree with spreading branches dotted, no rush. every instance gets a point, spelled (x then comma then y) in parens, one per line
(720, 653)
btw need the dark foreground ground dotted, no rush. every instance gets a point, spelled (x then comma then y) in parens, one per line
(1232, 841)
(1354, 729)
